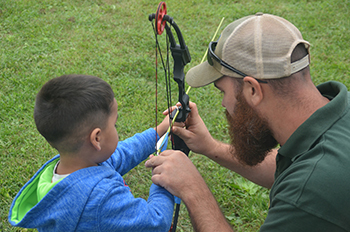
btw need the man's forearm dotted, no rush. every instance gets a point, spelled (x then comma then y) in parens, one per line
(261, 174)
(204, 211)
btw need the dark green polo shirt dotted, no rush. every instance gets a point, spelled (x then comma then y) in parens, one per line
(312, 180)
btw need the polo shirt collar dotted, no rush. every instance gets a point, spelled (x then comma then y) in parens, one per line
(319, 122)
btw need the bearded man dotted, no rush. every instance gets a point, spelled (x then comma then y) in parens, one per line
(261, 64)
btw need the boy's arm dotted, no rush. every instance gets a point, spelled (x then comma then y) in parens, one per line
(132, 151)
(121, 211)
(163, 126)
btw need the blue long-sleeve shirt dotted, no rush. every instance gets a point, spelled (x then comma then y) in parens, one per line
(96, 198)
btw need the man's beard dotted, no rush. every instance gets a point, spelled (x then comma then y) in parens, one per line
(251, 137)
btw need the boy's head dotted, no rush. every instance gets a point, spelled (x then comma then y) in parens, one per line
(68, 108)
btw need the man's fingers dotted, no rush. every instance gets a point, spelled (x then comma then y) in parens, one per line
(194, 109)
(155, 161)
(152, 162)
(156, 180)
(183, 133)
(166, 153)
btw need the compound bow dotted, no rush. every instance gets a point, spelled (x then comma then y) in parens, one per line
(181, 57)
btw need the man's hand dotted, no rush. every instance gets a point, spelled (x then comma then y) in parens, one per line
(195, 133)
(174, 171)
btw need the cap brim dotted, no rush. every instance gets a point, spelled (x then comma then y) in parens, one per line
(202, 75)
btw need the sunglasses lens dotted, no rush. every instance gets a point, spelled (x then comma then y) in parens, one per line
(210, 53)
(210, 61)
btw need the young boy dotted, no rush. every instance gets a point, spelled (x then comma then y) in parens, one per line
(82, 188)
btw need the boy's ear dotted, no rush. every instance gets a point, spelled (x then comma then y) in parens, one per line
(252, 91)
(95, 139)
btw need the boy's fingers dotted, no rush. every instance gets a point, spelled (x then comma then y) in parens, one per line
(166, 112)
(191, 104)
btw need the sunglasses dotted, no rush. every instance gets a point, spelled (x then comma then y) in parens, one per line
(211, 56)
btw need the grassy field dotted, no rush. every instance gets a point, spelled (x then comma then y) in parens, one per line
(113, 39)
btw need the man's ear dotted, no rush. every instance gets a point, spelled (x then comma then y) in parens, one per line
(95, 139)
(252, 91)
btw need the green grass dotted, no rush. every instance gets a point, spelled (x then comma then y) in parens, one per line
(113, 39)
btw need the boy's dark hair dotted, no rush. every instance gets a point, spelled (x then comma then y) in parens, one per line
(69, 107)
